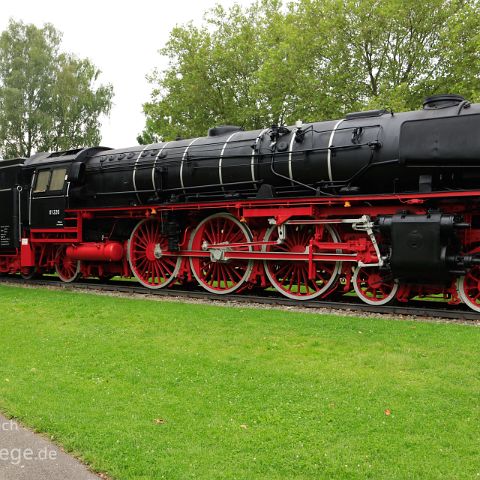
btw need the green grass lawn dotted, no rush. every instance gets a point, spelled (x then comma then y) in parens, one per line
(144, 390)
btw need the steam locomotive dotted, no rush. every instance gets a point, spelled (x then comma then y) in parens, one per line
(380, 203)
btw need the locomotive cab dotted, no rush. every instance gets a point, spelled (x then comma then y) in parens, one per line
(49, 196)
(52, 176)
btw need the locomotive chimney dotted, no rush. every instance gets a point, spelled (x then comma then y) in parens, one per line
(442, 101)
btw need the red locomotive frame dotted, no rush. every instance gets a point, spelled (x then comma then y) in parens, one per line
(305, 248)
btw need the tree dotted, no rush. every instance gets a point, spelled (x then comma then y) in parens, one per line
(48, 99)
(396, 52)
(212, 75)
(275, 63)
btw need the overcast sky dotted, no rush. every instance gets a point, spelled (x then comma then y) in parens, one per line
(122, 38)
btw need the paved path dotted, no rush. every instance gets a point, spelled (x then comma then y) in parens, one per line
(27, 456)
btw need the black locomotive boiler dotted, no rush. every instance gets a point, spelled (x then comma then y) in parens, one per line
(381, 203)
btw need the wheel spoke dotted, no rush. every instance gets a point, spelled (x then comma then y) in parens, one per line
(282, 269)
(208, 237)
(305, 279)
(287, 274)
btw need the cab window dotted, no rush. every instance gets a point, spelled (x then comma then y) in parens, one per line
(58, 179)
(41, 184)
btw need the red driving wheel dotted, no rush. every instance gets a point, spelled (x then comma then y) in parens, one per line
(469, 288)
(373, 286)
(67, 269)
(150, 260)
(215, 235)
(291, 278)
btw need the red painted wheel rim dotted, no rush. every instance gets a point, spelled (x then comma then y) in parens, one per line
(292, 278)
(220, 276)
(148, 255)
(66, 268)
(373, 286)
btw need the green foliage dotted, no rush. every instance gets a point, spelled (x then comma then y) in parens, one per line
(275, 63)
(148, 390)
(48, 99)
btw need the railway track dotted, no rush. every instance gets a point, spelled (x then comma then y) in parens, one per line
(419, 308)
